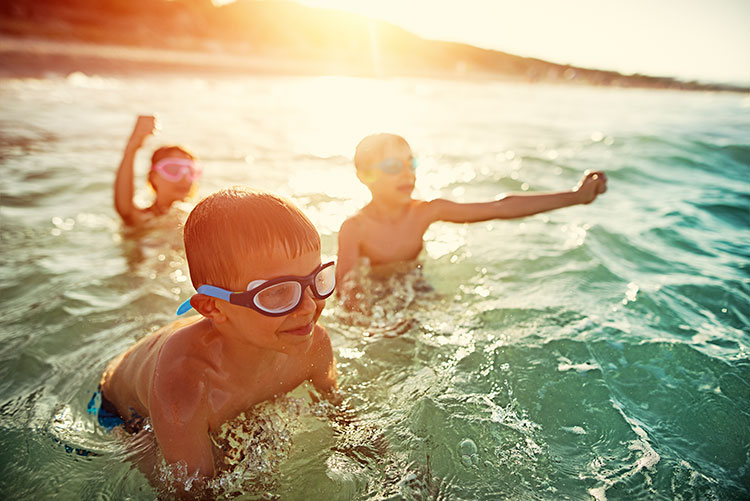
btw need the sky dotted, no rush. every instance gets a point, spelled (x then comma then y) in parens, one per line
(705, 40)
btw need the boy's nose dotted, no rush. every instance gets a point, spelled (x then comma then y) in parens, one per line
(308, 302)
(407, 172)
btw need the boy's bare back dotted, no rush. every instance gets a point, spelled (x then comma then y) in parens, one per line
(189, 350)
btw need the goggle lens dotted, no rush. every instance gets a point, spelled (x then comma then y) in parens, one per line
(174, 169)
(325, 281)
(278, 298)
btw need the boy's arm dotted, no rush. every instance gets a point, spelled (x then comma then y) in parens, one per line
(124, 182)
(346, 260)
(520, 204)
(323, 363)
(179, 416)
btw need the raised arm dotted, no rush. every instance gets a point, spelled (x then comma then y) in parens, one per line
(520, 204)
(124, 182)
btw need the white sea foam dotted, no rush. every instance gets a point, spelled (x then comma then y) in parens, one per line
(647, 456)
(567, 365)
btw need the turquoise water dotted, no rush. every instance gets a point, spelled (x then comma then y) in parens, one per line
(594, 352)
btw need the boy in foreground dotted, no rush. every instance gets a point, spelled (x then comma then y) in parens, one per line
(390, 228)
(246, 347)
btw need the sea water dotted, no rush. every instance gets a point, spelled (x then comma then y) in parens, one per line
(597, 351)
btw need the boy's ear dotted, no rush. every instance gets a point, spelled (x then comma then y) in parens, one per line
(208, 307)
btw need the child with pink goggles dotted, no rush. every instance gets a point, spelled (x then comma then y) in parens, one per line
(174, 169)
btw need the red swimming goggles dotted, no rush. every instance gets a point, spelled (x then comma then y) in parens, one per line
(174, 169)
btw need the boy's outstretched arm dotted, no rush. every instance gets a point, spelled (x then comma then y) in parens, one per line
(520, 204)
(124, 182)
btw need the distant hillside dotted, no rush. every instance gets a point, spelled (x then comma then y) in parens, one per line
(319, 40)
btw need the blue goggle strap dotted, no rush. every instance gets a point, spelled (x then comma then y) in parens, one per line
(208, 290)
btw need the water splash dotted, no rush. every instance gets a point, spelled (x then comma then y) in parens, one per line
(252, 447)
(647, 457)
(387, 298)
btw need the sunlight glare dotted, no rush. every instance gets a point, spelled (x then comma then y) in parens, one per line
(587, 33)
(344, 110)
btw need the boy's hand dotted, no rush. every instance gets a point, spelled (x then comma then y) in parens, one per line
(145, 126)
(591, 185)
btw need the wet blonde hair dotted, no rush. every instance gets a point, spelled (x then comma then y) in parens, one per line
(232, 226)
(371, 149)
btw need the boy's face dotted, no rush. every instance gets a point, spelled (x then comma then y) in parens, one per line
(284, 332)
(169, 189)
(172, 190)
(391, 178)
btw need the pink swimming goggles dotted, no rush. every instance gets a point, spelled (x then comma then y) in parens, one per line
(174, 169)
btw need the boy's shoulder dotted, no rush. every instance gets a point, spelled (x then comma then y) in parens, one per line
(189, 335)
(353, 225)
(185, 349)
(158, 355)
(367, 215)
(188, 357)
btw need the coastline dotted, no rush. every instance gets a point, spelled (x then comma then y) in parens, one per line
(38, 57)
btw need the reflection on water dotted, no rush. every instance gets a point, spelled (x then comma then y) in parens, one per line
(547, 358)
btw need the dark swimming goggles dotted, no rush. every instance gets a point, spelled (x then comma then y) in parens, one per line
(275, 297)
